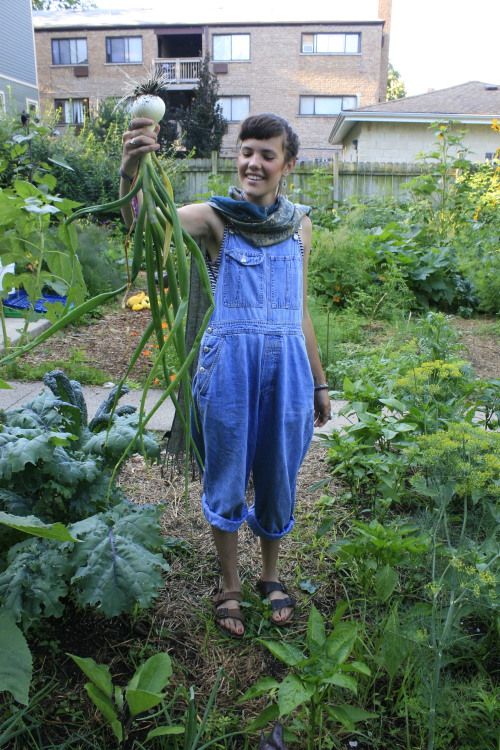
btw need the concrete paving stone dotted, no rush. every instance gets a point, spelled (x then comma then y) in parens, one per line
(20, 393)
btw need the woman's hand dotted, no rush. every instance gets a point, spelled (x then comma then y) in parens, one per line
(137, 141)
(322, 408)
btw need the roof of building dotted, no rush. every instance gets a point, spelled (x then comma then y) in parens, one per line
(470, 103)
(177, 14)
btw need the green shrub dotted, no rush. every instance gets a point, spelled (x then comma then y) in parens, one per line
(101, 256)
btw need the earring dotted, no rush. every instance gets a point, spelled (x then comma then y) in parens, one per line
(282, 187)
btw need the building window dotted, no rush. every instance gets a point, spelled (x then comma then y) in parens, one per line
(331, 44)
(32, 107)
(326, 105)
(234, 108)
(124, 49)
(69, 52)
(231, 47)
(72, 111)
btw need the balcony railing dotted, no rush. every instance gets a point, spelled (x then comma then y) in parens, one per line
(181, 69)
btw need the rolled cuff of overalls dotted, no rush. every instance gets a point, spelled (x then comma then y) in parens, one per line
(259, 531)
(224, 524)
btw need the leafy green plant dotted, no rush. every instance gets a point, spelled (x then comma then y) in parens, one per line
(34, 238)
(121, 706)
(317, 681)
(436, 393)
(55, 467)
(374, 552)
(124, 707)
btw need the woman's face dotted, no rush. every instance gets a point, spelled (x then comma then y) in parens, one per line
(261, 165)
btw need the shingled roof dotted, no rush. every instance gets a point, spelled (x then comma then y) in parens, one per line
(471, 102)
(469, 98)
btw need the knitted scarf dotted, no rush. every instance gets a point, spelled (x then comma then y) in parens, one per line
(260, 225)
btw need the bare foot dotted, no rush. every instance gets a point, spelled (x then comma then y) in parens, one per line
(284, 613)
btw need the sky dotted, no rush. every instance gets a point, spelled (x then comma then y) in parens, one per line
(434, 43)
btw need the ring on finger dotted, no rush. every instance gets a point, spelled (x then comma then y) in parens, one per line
(133, 142)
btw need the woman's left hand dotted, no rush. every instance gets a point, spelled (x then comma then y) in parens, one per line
(322, 408)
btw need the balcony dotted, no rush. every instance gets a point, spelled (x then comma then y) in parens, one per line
(182, 72)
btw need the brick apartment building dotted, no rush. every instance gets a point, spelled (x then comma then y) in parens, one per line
(306, 71)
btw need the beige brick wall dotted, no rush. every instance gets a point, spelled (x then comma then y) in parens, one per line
(274, 78)
(278, 74)
(104, 79)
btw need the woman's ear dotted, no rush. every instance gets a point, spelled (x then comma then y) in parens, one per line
(289, 166)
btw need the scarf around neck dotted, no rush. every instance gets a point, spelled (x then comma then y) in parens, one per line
(260, 225)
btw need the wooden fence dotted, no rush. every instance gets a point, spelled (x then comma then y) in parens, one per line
(341, 180)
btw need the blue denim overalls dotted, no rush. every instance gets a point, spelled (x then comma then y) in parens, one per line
(253, 388)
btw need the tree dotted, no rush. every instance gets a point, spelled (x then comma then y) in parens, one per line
(62, 4)
(395, 85)
(203, 124)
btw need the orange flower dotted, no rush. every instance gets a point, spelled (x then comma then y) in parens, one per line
(134, 333)
(146, 352)
(156, 381)
(164, 325)
(173, 377)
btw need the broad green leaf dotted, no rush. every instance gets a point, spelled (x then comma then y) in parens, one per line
(342, 680)
(386, 581)
(393, 647)
(359, 666)
(26, 189)
(356, 714)
(60, 162)
(4, 384)
(290, 655)
(340, 642)
(33, 525)
(98, 673)
(117, 730)
(116, 571)
(15, 660)
(337, 713)
(268, 714)
(162, 731)
(103, 703)
(315, 629)
(142, 700)
(292, 693)
(153, 675)
(263, 686)
(35, 580)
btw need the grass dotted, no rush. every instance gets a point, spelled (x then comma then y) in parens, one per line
(75, 367)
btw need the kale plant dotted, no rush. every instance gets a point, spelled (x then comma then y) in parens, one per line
(57, 468)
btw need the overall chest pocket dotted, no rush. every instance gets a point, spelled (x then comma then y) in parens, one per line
(243, 278)
(286, 282)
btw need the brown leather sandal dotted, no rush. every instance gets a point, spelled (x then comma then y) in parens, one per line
(265, 587)
(221, 613)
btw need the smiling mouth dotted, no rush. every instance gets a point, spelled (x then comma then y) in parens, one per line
(254, 177)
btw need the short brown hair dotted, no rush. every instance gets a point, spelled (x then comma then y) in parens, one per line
(267, 125)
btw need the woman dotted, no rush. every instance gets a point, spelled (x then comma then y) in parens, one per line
(259, 387)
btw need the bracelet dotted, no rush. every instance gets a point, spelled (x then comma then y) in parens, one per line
(126, 177)
(322, 387)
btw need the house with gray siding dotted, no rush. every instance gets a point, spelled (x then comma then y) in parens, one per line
(18, 75)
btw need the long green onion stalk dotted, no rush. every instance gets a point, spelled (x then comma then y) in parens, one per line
(157, 237)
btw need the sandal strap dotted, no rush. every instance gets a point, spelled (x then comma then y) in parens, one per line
(223, 613)
(223, 596)
(281, 603)
(265, 587)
